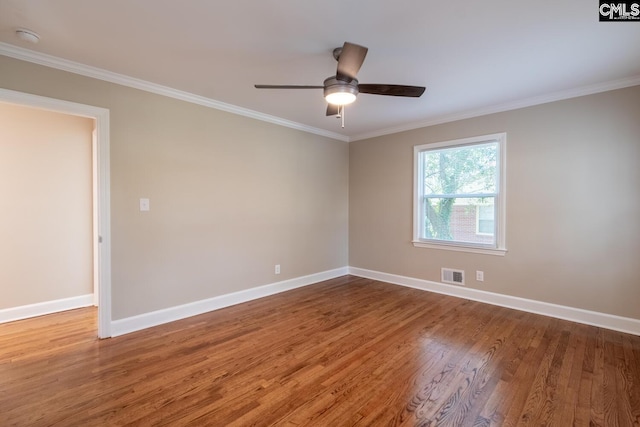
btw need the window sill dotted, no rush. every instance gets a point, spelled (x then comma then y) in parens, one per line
(471, 249)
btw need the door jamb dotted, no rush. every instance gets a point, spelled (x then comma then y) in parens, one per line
(103, 199)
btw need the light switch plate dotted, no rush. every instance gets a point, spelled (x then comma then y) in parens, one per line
(144, 205)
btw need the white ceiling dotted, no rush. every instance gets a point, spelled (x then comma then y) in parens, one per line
(471, 55)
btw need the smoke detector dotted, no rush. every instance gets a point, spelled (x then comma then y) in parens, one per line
(27, 35)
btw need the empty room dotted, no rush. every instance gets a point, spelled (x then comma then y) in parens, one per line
(319, 214)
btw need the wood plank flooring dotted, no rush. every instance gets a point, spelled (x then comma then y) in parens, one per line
(345, 352)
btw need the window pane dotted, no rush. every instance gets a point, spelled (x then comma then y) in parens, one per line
(461, 170)
(486, 219)
(457, 220)
(485, 226)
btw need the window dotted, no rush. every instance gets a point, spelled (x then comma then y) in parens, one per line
(459, 195)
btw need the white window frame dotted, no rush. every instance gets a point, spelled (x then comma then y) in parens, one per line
(499, 248)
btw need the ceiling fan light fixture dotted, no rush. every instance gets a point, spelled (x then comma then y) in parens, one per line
(338, 92)
(343, 88)
(340, 98)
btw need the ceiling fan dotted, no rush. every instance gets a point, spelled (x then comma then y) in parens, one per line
(343, 88)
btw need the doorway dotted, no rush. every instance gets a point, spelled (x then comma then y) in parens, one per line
(101, 192)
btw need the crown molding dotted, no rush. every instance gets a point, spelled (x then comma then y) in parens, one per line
(121, 79)
(508, 106)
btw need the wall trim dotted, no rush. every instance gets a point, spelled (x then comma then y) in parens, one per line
(47, 307)
(159, 317)
(51, 61)
(121, 79)
(507, 106)
(593, 318)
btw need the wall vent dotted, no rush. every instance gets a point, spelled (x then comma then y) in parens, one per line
(455, 277)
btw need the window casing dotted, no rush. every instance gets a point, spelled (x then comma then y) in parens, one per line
(459, 194)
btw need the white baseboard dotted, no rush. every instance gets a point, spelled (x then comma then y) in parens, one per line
(42, 308)
(155, 318)
(594, 318)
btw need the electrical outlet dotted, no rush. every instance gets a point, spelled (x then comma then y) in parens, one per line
(480, 276)
(277, 269)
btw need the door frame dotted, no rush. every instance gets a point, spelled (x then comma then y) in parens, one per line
(102, 191)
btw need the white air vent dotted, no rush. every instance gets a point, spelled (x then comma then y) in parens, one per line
(455, 277)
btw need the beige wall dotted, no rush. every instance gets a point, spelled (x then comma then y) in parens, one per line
(230, 196)
(573, 204)
(45, 206)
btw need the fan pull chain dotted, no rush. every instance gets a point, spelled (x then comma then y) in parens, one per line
(340, 114)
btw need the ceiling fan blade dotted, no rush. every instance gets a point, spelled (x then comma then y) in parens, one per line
(350, 61)
(392, 90)
(332, 110)
(287, 87)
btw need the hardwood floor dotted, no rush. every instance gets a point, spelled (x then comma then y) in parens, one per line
(344, 352)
